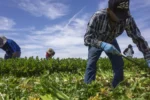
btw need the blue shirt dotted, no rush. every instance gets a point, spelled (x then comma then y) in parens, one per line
(10, 47)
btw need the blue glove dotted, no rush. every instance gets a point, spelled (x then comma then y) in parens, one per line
(148, 63)
(147, 58)
(108, 48)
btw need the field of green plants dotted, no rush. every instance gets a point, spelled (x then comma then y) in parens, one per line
(62, 79)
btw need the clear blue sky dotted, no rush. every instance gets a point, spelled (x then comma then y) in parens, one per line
(37, 25)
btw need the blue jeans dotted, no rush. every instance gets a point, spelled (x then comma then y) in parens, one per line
(7, 56)
(116, 61)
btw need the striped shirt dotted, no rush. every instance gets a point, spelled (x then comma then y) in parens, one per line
(10, 47)
(98, 29)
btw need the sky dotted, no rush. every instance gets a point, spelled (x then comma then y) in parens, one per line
(36, 25)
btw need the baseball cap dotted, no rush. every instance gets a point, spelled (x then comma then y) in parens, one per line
(129, 45)
(120, 8)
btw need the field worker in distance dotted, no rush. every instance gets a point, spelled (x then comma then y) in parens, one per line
(11, 48)
(50, 53)
(129, 51)
(102, 29)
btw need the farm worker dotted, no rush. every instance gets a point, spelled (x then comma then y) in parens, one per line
(104, 26)
(50, 53)
(11, 48)
(129, 51)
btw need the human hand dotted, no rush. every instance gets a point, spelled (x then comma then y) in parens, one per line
(16, 54)
(147, 58)
(148, 63)
(109, 48)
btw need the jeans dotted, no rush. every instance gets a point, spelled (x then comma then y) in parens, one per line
(18, 54)
(7, 56)
(116, 61)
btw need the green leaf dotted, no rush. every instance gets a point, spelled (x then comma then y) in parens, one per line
(48, 97)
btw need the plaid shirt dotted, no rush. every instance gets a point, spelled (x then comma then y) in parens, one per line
(98, 29)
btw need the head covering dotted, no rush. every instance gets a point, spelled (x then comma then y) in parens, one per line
(129, 46)
(3, 40)
(120, 8)
(51, 51)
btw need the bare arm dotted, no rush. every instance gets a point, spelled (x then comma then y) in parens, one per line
(16, 54)
(125, 51)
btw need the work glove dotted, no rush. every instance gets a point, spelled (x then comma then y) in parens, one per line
(147, 58)
(109, 48)
(148, 63)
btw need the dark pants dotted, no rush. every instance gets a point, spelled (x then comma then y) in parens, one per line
(7, 56)
(116, 61)
(18, 54)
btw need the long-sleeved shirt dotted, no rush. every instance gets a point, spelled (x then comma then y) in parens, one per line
(128, 52)
(48, 55)
(99, 29)
(10, 47)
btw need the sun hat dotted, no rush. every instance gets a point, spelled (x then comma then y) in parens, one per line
(50, 51)
(120, 8)
(3, 40)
